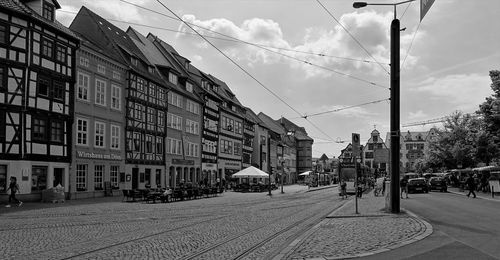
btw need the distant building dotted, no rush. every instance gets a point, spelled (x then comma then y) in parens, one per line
(375, 154)
(37, 77)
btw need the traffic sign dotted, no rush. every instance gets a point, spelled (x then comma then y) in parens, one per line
(425, 5)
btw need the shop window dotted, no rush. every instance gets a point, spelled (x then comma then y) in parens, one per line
(81, 177)
(98, 177)
(147, 177)
(3, 178)
(158, 178)
(38, 178)
(113, 176)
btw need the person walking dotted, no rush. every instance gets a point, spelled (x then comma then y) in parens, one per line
(14, 188)
(471, 184)
(404, 186)
(343, 189)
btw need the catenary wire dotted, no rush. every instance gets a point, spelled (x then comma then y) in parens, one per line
(234, 39)
(409, 47)
(406, 9)
(352, 36)
(342, 108)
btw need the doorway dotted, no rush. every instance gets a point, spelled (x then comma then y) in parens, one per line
(135, 178)
(58, 177)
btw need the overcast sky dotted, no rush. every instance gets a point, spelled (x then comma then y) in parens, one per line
(446, 69)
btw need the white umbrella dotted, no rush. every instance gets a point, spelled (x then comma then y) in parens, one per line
(250, 172)
(305, 173)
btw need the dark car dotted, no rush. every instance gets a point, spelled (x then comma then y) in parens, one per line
(417, 185)
(437, 183)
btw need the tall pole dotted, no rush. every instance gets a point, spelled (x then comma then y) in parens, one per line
(282, 173)
(357, 183)
(395, 113)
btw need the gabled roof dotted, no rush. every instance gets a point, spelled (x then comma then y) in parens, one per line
(224, 91)
(21, 8)
(271, 123)
(254, 118)
(300, 132)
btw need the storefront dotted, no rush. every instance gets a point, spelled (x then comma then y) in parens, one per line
(227, 168)
(183, 171)
(209, 173)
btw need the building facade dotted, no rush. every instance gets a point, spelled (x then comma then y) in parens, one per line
(37, 76)
(98, 155)
(375, 154)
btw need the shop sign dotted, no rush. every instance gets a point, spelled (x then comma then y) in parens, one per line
(102, 156)
(182, 161)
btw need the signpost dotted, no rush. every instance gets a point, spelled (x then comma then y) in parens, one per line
(355, 152)
(425, 5)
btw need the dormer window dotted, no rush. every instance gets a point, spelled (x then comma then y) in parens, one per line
(48, 11)
(151, 69)
(215, 88)
(172, 78)
(189, 87)
(186, 65)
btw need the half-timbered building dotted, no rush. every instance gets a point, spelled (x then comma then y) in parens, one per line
(146, 102)
(37, 75)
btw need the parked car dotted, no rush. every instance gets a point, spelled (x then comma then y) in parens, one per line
(437, 183)
(417, 185)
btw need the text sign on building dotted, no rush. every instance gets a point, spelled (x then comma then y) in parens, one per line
(92, 155)
(355, 144)
(425, 5)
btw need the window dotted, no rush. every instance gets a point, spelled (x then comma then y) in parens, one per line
(39, 129)
(100, 92)
(99, 134)
(56, 131)
(193, 107)
(134, 61)
(172, 78)
(61, 53)
(159, 145)
(192, 127)
(116, 75)
(151, 69)
(137, 142)
(4, 33)
(3, 78)
(43, 86)
(174, 121)
(47, 48)
(48, 11)
(237, 148)
(149, 144)
(151, 115)
(140, 85)
(81, 131)
(81, 177)
(116, 93)
(38, 178)
(152, 90)
(161, 94)
(161, 119)
(84, 62)
(226, 147)
(189, 87)
(101, 69)
(115, 137)
(138, 111)
(192, 150)
(98, 177)
(158, 178)
(113, 175)
(237, 127)
(58, 90)
(3, 178)
(174, 99)
(174, 146)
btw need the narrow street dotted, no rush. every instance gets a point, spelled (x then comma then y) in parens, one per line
(231, 226)
(464, 228)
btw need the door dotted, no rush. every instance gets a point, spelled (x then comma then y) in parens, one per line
(135, 178)
(58, 177)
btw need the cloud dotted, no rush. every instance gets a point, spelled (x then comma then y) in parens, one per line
(330, 45)
(119, 10)
(466, 91)
(417, 115)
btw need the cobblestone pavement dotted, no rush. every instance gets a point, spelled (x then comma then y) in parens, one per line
(345, 234)
(231, 226)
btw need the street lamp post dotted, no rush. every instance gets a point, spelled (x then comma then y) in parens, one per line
(395, 104)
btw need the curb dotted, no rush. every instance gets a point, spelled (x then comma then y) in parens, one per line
(477, 197)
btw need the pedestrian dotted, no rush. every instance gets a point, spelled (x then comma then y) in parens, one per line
(383, 187)
(14, 188)
(343, 189)
(471, 184)
(404, 186)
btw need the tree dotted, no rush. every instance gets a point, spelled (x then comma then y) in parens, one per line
(455, 145)
(489, 139)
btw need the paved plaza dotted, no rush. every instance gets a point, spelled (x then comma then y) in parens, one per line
(302, 223)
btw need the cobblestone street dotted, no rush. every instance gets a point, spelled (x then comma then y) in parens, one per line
(231, 226)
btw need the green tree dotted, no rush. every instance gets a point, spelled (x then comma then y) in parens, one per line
(489, 138)
(455, 145)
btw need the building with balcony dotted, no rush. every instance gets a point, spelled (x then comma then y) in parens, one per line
(146, 101)
(37, 77)
(99, 144)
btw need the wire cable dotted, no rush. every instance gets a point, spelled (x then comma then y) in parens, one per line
(409, 47)
(401, 17)
(343, 108)
(352, 36)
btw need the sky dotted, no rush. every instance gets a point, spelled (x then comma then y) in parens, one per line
(318, 60)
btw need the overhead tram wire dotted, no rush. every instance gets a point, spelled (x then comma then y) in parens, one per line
(352, 36)
(409, 47)
(234, 39)
(342, 108)
(406, 9)
(262, 47)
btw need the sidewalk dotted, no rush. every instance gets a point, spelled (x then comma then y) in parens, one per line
(479, 194)
(345, 234)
